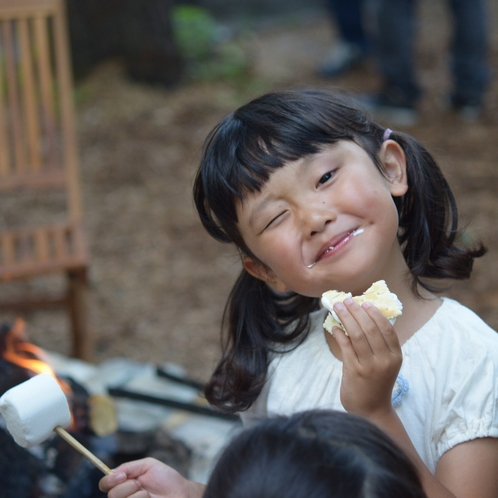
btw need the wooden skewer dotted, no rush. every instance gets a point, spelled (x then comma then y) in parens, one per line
(84, 451)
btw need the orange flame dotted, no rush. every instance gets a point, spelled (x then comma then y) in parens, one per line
(20, 351)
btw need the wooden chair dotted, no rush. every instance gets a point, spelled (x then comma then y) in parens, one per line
(38, 151)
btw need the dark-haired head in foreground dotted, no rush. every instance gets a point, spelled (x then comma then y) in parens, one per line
(314, 454)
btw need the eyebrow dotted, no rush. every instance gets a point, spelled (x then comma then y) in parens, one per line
(259, 207)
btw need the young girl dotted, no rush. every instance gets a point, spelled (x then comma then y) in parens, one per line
(314, 454)
(316, 197)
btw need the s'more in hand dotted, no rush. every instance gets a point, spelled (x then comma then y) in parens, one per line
(377, 294)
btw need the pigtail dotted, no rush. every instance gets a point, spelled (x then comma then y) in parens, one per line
(255, 318)
(428, 218)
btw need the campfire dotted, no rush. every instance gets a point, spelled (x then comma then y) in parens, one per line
(19, 359)
(53, 469)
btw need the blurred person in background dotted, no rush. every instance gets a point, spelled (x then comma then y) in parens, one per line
(400, 93)
(352, 45)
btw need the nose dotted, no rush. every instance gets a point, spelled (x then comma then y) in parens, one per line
(314, 232)
(315, 219)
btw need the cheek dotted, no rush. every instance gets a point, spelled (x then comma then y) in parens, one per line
(377, 207)
(376, 199)
(272, 251)
(279, 250)
(387, 218)
(366, 203)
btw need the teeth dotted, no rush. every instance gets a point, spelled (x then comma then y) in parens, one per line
(354, 234)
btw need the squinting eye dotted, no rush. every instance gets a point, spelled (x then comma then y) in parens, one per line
(326, 177)
(271, 221)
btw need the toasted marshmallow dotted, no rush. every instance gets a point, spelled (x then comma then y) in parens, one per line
(377, 294)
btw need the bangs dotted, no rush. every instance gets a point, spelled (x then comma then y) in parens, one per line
(274, 130)
(249, 154)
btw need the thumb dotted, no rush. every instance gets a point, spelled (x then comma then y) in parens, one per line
(110, 481)
(126, 471)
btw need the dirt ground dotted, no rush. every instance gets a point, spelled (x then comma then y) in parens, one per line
(158, 282)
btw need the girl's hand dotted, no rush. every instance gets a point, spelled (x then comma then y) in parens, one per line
(148, 478)
(371, 359)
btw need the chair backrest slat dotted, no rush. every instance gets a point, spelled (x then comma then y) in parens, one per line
(4, 159)
(30, 101)
(42, 245)
(15, 123)
(46, 88)
(8, 249)
(60, 246)
(70, 153)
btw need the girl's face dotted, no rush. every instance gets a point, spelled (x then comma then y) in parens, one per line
(327, 221)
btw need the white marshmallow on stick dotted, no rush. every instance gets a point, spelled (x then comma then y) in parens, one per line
(34, 409)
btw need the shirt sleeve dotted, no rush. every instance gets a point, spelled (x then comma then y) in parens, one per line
(469, 404)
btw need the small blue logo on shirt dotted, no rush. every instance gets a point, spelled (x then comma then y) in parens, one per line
(400, 389)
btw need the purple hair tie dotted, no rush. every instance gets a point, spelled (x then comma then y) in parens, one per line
(387, 134)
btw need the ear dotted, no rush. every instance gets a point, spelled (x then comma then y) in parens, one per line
(261, 272)
(393, 158)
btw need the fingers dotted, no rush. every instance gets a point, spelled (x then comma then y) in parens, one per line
(357, 344)
(111, 481)
(369, 331)
(371, 358)
(384, 326)
(128, 489)
(123, 483)
(118, 486)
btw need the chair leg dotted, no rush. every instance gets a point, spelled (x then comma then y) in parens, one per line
(78, 312)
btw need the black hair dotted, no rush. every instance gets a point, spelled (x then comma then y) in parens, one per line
(239, 156)
(314, 454)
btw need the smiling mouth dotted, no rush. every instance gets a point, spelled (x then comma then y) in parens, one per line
(354, 233)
